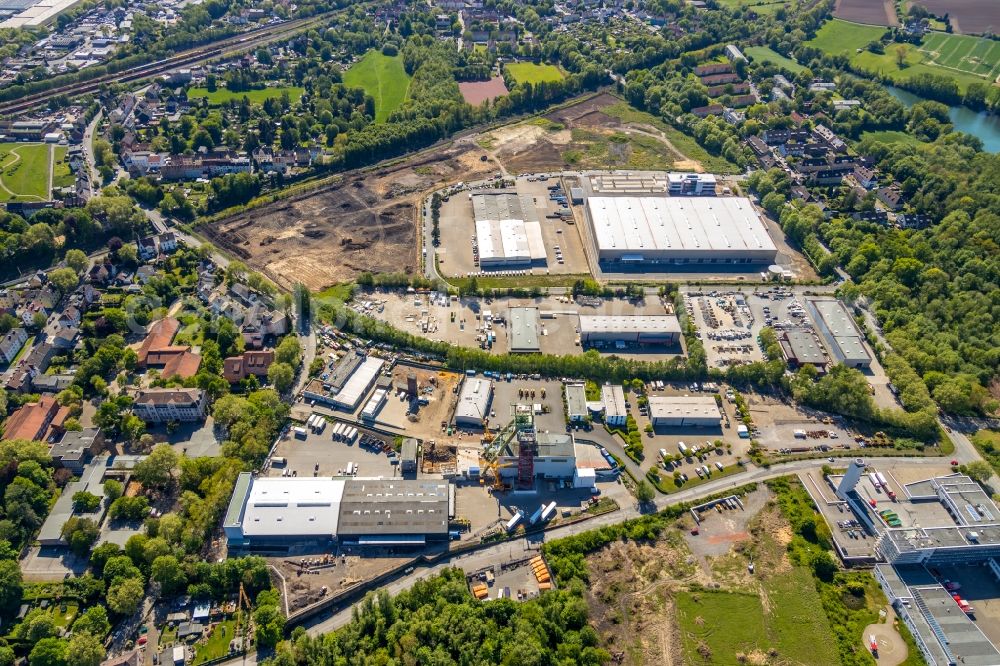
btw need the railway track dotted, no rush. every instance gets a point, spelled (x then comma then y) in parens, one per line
(230, 45)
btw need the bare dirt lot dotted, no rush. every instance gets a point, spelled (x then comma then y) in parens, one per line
(969, 17)
(367, 222)
(881, 12)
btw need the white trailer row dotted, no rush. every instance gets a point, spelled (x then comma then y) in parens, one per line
(344, 433)
(316, 423)
(543, 513)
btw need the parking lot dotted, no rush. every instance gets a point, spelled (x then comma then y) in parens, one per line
(458, 234)
(319, 455)
(461, 321)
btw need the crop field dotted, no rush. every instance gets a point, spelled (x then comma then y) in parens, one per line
(766, 54)
(257, 96)
(874, 12)
(528, 72)
(968, 17)
(382, 77)
(964, 59)
(24, 171)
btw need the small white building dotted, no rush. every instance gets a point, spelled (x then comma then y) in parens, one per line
(613, 398)
(576, 402)
(474, 402)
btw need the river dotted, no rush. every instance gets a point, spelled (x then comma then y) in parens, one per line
(982, 125)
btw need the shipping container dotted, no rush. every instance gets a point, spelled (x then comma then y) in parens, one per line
(514, 520)
(874, 479)
(881, 479)
(549, 512)
(536, 515)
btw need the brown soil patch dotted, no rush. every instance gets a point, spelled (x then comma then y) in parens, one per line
(366, 221)
(477, 92)
(867, 11)
(967, 16)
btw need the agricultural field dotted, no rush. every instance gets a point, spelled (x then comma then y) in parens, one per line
(61, 174)
(873, 12)
(257, 96)
(24, 171)
(766, 54)
(968, 17)
(382, 77)
(964, 59)
(528, 72)
(759, 6)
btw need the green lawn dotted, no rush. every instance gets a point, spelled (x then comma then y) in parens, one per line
(61, 174)
(759, 6)
(716, 627)
(529, 72)
(765, 54)
(24, 171)
(382, 77)
(217, 644)
(891, 136)
(963, 58)
(668, 485)
(222, 95)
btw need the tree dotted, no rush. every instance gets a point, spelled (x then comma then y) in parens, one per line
(113, 489)
(125, 595)
(77, 260)
(48, 652)
(102, 555)
(823, 566)
(167, 571)
(93, 621)
(84, 502)
(129, 508)
(64, 279)
(281, 376)
(84, 650)
(289, 351)
(38, 321)
(7, 656)
(156, 470)
(80, 534)
(644, 492)
(979, 470)
(269, 624)
(11, 587)
(901, 56)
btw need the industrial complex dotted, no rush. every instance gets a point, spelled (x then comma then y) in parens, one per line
(684, 411)
(843, 338)
(599, 331)
(507, 230)
(631, 231)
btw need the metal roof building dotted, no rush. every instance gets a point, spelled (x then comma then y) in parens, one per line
(613, 398)
(801, 347)
(843, 339)
(633, 329)
(523, 330)
(680, 411)
(507, 230)
(357, 385)
(651, 230)
(272, 514)
(576, 402)
(474, 402)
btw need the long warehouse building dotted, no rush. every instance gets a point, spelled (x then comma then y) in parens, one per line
(843, 337)
(298, 514)
(507, 230)
(646, 232)
(684, 411)
(629, 329)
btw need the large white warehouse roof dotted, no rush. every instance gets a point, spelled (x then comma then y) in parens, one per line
(294, 506)
(652, 227)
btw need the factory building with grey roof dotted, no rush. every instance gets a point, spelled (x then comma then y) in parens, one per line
(508, 233)
(842, 336)
(299, 514)
(600, 330)
(522, 330)
(473, 402)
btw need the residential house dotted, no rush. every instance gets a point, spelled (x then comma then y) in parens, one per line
(237, 368)
(891, 196)
(70, 316)
(160, 405)
(11, 344)
(76, 448)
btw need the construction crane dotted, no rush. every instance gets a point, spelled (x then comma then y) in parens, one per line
(246, 625)
(492, 468)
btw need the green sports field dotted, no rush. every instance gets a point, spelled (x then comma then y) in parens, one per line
(765, 54)
(963, 58)
(222, 95)
(529, 72)
(382, 77)
(24, 171)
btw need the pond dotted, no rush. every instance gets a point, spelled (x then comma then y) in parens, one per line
(983, 125)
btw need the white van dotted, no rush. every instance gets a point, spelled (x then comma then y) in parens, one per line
(278, 461)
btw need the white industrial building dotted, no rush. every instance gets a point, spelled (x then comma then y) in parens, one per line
(522, 330)
(556, 457)
(358, 384)
(645, 232)
(507, 230)
(842, 336)
(684, 411)
(696, 184)
(474, 402)
(613, 397)
(629, 329)
(576, 402)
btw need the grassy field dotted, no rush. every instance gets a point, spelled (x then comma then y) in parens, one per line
(891, 136)
(600, 150)
(759, 6)
(765, 54)
(987, 442)
(24, 171)
(217, 644)
(222, 95)
(685, 144)
(382, 77)
(965, 59)
(61, 174)
(528, 72)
